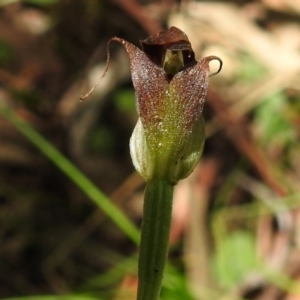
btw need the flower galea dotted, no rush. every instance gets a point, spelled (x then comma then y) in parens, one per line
(170, 87)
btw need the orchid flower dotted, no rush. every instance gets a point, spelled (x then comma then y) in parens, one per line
(167, 142)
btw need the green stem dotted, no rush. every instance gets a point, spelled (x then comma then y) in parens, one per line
(154, 238)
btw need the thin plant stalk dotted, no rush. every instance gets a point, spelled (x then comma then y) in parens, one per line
(155, 238)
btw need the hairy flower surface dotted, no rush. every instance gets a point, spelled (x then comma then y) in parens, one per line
(170, 87)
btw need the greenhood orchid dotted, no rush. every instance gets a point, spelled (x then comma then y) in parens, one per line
(167, 142)
(170, 87)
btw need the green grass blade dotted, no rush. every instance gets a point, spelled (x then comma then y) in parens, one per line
(89, 188)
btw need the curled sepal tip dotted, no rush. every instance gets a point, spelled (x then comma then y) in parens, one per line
(212, 57)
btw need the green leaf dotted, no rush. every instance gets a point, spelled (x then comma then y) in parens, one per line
(234, 258)
(273, 121)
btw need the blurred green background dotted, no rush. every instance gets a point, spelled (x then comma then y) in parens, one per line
(70, 200)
